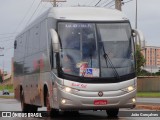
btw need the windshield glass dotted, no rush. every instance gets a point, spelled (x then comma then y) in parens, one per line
(117, 44)
(79, 54)
(96, 50)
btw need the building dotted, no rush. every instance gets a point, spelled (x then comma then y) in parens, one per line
(152, 56)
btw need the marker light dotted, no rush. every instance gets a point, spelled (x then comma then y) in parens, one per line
(67, 89)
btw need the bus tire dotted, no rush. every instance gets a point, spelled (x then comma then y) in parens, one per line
(50, 111)
(113, 112)
(71, 113)
(25, 107)
(54, 112)
(33, 108)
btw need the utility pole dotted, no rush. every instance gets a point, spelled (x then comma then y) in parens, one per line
(53, 1)
(136, 15)
(136, 20)
(2, 71)
(118, 4)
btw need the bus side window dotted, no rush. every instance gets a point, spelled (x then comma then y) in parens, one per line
(15, 44)
(36, 38)
(30, 42)
(43, 36)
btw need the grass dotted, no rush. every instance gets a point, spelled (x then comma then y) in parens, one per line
(8, 87)
(7, 97)
(149, 94)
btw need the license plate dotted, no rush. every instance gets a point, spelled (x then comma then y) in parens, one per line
(100, 102)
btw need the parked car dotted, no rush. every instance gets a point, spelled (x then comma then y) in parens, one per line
(5, 92)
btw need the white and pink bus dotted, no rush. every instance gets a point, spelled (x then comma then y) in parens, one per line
(76, 58)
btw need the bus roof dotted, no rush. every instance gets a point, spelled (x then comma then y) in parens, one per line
(80, 14)
(86, 13)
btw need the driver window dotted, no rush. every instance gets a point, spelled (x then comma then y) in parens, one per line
(88, 43)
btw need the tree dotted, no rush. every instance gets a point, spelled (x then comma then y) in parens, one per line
(157, 73)
(1, 77)
(1, 80)
(140, 60)
(145, 73)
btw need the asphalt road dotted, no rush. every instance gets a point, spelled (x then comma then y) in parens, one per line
(13, 105)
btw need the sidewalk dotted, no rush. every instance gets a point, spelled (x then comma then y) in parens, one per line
(148, 103)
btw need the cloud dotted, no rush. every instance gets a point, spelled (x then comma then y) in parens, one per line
(148, 19)
(13, 11)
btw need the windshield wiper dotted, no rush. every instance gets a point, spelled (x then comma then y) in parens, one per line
(108, 60)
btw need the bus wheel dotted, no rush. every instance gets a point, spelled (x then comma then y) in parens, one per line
(112, 112)
(50, 111)
(25, 107)
(71, 113)
(33, 108)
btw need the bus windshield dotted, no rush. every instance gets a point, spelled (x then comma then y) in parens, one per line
(96, 49)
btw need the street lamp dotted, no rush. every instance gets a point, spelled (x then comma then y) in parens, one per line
(136, 15)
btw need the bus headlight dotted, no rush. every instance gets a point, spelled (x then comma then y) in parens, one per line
(68, 89)
(129, 89)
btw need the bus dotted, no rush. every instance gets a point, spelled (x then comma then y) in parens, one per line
(76, 58)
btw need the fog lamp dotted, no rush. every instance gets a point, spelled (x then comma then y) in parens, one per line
(133, 100)
(63, 101)
(67, 89)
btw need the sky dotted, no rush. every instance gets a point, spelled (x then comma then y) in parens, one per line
(15, 15)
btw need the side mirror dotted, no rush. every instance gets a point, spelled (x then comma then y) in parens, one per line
(55, 40)
(140, 36)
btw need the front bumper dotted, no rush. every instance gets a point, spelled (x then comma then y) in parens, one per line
(77, 102)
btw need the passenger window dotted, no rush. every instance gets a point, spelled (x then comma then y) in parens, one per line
(23, 45)
(36, 38)
(30, 41)
(33, 40)
(27, 43)
(43, 36)
(15, 44)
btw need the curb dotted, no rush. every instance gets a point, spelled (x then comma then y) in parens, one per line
(6, 97)
(148, 107)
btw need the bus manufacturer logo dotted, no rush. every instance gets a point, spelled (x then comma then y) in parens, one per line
(100, 93)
